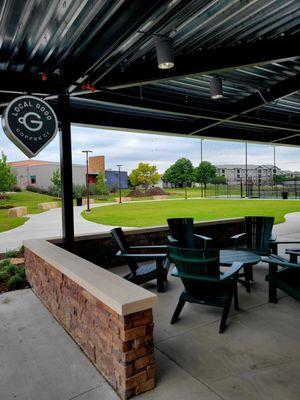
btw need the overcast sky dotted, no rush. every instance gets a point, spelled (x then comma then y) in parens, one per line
(129, 148)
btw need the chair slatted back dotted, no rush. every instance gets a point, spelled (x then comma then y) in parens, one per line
(121, 242)
(199, 262)
(258, 232)
(182, 229)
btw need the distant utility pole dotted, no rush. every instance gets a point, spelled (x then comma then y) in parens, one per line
(274, 165)
(201, 159)
(246, 162)
(87, 179)
(119, 183)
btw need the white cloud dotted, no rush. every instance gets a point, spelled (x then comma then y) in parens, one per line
(128, 148)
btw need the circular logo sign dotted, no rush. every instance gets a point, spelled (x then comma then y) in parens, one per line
(30, 123)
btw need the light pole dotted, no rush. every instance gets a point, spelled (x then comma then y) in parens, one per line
(87, 179)
(120, 193)
(246, 161)
(201, 159)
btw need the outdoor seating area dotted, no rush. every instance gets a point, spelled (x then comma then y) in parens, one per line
(209, 275)
(163, 298)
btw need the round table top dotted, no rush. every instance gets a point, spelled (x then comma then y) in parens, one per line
(228, 257)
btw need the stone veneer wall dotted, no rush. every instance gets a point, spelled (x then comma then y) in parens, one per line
(121, 347)
(101, 249)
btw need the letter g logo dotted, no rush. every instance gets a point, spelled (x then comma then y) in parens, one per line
(32, 121)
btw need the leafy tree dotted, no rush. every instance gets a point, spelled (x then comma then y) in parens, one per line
(101, 185)
(56, 182)
(144, 175)
(280, 178)
(205, 173)
(218, 180)
(7, 178)
(180, 174)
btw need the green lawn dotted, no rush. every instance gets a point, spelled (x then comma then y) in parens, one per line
(29, 199)
(155, 213)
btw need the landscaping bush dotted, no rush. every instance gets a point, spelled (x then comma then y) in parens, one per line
(155, 191)
(17, 188)
(17, 280)
(37, 189)
(93, 189)
(12, 276)
(136, 193)
(79, 191)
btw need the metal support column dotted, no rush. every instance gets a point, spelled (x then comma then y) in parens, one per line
(66, 171)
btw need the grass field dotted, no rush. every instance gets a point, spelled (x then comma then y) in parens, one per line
(176, 193)
(29, 199)
(155, 213)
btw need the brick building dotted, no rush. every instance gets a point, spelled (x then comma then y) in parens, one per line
(38, 173)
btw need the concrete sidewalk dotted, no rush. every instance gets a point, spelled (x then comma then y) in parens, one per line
(48, 224)
(256, 358)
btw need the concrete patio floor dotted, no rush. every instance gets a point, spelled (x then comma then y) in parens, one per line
(257, 358)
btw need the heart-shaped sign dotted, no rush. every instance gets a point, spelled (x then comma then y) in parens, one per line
(30, 123)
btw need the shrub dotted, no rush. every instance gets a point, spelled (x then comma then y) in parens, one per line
(17, 188)
(93, 189)
(79, 191)
(37, 189)
(16, 281)
(11, 253)
(31, 188)
(6, 271)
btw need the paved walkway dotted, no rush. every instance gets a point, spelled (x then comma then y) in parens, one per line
(48, 224)
(257, 358)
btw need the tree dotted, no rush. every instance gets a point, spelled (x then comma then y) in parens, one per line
(218, 180)
(144, 175)
(280, 178)
(7, 178)
(56, 182)
(101, 185)
(180, 174)
(205, 173)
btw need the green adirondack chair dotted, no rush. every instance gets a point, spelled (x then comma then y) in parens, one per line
(157, 266)
(203, 281)
(258, 235)
(259, 238)
(286, 279)
(181, 233)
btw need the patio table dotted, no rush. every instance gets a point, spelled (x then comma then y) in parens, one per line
(294, 254)
(227, 257)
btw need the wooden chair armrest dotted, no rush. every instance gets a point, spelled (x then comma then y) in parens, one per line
(273, 238)
(195, 277)
(281, 261)
(205, 238)
(238, 236)
(171, 239)
(235, 267)
(140, 256)
(161, 246)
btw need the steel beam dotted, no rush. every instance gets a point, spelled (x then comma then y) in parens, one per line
(66, 170)
(252, 102)
(207, 62)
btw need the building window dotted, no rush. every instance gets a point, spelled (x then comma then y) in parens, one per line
(238, 171)
(33, 179)
(223, 171)
(274, 171)
(238, 176)
(259, 171)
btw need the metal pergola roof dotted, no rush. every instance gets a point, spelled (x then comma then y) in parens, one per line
(53, 47)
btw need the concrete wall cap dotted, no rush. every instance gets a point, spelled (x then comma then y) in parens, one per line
(117, 293)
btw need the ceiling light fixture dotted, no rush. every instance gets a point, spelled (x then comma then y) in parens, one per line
(164, 52)
(216, 89)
